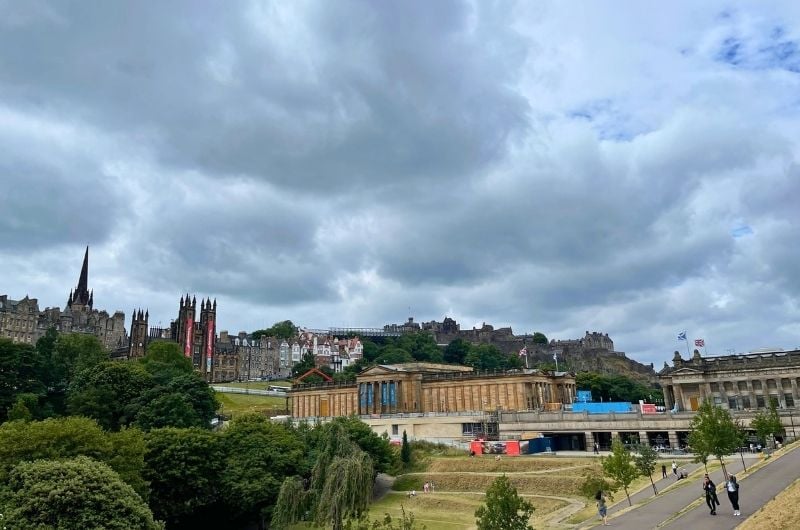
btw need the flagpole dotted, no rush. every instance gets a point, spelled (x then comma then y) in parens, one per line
(686, 339)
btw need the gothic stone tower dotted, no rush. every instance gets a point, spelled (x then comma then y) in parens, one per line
(184, 327)
(137, 344)
(208, 323)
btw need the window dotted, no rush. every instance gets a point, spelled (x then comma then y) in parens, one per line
(789, 399)
(732, 403)
(395, 430)
(760, 403)
(745, 402)
(715, 387)
(717, 400)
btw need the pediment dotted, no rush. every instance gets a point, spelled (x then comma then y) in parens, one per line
(686, 371)
(378, 370)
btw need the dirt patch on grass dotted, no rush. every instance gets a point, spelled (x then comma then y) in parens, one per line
(505, 465)
(780, 513)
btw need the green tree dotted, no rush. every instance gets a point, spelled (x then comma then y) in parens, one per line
(456, 352)
(767, 422)
(105, 392)
(504, 508)
(184, 401)
(165, 361)
(73, 353)
(281, 330)
(20, 373)
(259, 455)
(489, 357)
(620, 467)
(57, 438)
(714, 432)
(184, 467)
(593, 482)
(73, 494)
(405, 451)
(384, 457)
(646, 463)
(306, 363)
(539, 338)
(340, 487)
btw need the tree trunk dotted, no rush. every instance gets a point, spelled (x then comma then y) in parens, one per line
(628, 496)
(724, 469)
(655, 491)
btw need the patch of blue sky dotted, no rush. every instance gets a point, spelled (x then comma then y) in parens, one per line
(741, 231)
(607, 120)
(775, 51)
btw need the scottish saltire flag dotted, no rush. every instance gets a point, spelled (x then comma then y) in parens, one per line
(699, 342)
(682, 335)
(523, 352)
(555, 357)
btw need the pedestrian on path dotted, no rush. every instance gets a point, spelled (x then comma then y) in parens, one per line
(663, 471)
(733, 493)
(596, 448)
(674, 468)
(710, 490)
(602, 509)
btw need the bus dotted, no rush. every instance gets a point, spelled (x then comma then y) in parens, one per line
(278, 388)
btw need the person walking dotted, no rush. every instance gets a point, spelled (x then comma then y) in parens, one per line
(710, 490)
(732, 486)
(674, 468)
(596, 448)
(663, 471)
(602, 509)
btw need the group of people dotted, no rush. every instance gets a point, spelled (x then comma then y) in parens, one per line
(731, 487)
(428, 487)
(709, 489)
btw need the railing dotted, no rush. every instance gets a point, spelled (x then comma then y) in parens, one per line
(254, 391)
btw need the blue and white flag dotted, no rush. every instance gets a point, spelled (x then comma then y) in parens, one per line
(682, 335)
(554, 357)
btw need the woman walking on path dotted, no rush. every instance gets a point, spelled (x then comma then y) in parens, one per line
(602, 509)
(733, 494)
(710, 490)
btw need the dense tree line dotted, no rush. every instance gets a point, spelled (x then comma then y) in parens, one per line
(615, 387)
(134, 442)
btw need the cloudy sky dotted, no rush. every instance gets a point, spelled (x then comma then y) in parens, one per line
(552, 166)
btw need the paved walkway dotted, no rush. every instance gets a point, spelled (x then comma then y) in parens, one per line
(756, 490)
(667, 504)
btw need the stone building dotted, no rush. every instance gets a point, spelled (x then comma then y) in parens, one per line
(22, 321)
(197, 339)
(256, 357)
(19, 319)
(421, 388)
(737, 382)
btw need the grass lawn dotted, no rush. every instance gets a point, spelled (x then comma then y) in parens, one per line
(450, 511)
(233, 404)
(778, 514)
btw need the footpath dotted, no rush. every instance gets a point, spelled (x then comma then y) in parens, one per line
(665, 510)
(755, 490)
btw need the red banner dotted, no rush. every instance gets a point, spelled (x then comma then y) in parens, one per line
(187, 346)
(209, 344)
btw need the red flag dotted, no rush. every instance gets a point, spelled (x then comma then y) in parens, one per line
(699, 342)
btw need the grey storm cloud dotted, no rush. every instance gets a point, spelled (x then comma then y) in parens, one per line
(355, 163)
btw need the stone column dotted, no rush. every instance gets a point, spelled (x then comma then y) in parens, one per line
(793, 381)
(589, 441)
(679, 397)
(673, 439)
(722, 394)
(643, 438)
(667, 398)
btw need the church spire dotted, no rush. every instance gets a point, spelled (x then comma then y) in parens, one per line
(82, 295)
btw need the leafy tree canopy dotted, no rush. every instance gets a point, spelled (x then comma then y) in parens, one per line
(73, 353)
(164, 360)
(767, 422)
(184, 468)
(104, 391)
(489, 357)
(620, 467)
(714, 432)
(456, 352)
(74, 494)
(504, 508)
(539, 338)
(21, 372)
(608, 387)
(282, 330)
